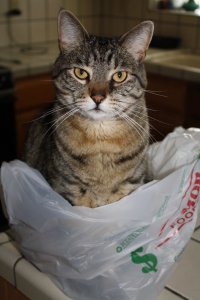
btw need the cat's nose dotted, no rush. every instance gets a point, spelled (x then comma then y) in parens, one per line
(98, 98)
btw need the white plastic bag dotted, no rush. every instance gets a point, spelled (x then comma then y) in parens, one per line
(121, 251)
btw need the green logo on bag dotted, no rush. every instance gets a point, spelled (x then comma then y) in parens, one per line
(130, 238)
(149, 259)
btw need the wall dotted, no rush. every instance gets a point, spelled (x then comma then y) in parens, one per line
(106, 17)
(121, 15)
(38, 21)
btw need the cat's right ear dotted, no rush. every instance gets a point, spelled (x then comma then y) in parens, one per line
(71, 33)
(137, 40)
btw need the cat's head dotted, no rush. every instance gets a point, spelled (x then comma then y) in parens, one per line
(100, 78)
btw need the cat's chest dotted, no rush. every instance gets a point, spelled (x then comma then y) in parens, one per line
(100, 160)
(100, 139)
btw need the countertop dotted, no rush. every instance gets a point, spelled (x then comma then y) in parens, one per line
(179, 63)
(25, 62)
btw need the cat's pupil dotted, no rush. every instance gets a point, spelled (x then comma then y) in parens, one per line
(119, 74)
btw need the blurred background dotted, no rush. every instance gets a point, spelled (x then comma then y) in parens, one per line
(36, 19)
(28, 49)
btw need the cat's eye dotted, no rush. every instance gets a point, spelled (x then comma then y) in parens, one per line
(120, 76)
(81, 73)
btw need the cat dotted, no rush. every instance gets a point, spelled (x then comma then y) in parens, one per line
(91, 145)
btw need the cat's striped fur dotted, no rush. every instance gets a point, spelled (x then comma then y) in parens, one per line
(91, 144)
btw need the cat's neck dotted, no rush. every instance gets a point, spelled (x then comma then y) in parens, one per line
(100, 129)
(91, 137)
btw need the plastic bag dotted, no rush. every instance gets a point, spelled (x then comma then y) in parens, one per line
(125, 250)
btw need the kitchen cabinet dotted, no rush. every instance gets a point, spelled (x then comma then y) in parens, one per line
(178, 104)
(9, 292)
(193, 106)
(33, 95)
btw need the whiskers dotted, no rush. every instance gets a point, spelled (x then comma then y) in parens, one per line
(50, 112)
(156, 93)
(138, 121)
(56, 123)
(142, 131)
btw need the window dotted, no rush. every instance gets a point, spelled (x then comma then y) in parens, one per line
(176, 8)
(179, 3)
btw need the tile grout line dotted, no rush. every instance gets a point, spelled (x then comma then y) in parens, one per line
(6, 242)
(14, 269)
(197, 228)
(195, 240)
(176, 293)
(46, 20)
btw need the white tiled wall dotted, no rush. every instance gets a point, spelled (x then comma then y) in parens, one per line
(127, 13)
(38, 21)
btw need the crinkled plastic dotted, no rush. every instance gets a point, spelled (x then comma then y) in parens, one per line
(122, 251)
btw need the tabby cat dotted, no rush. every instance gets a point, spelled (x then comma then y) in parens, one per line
(91, 144)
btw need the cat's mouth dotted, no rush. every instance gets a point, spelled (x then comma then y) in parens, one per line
(97, 109)
(97, 113)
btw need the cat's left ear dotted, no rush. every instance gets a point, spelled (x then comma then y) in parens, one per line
(137, 40)
(71, 32)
